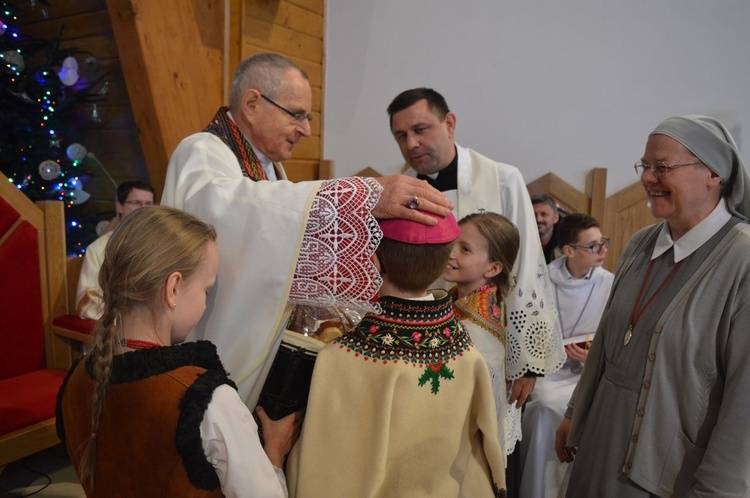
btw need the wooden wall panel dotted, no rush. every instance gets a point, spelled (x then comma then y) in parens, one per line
(597, 186)
(175, 89)
(314, 70)
(172, 54)
(317, 6)
(567, 196)
(62, 9)
(170, 64)
(627, 212)
(294, 17)
(298, 170)
(74, 25)
(276, 38)
(294, 28)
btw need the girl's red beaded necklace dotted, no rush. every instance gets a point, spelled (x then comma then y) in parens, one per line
(137, 344)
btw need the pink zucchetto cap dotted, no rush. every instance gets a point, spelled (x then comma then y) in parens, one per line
(412, 232)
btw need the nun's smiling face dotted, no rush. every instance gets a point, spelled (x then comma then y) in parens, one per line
(682, 196)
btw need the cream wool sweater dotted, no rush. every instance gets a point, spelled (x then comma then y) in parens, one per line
(402, 406)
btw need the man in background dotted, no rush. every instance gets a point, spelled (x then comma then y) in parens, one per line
(581, 290)
(545, 211)
(131, 196)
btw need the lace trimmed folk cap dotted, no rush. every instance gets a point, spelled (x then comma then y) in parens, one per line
(713, 145)
(412, 232)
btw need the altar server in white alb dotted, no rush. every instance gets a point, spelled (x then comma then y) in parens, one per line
(424, 128)
(581, 288)
(308, 242)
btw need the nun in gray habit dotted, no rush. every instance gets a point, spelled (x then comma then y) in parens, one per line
(663, 404)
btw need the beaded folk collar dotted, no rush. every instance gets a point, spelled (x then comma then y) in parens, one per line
(422, 333)
(481, 307)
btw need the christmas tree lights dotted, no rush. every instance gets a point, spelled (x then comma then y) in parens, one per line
(40, 134)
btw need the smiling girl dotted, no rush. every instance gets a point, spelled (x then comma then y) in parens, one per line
(480, 265)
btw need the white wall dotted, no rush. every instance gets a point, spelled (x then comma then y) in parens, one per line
(543, 85)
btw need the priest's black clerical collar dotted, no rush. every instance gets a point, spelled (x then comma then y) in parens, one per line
(447, 178)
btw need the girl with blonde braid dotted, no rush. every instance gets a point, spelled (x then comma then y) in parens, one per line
(164, 419)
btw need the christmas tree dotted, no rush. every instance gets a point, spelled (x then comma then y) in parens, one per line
(40, 150)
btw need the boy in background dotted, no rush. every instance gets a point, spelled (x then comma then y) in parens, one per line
(581, 287)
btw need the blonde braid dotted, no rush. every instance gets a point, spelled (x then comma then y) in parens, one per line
(101, 357)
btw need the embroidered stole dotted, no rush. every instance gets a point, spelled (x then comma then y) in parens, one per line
(223, 127)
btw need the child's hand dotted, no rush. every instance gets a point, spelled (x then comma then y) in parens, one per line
(578, 351)
(279, 435)
(520, 390)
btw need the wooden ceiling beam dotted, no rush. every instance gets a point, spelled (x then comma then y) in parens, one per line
(172, 56)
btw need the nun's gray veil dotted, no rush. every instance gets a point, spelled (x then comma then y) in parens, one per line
(712, 143)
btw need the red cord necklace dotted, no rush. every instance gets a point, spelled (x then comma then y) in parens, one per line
(137, 344)
(633, 318)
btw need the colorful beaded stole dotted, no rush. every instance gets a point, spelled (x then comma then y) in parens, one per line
(223, 127)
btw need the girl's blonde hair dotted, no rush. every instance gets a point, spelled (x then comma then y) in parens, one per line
(503, 242)
(146, 247)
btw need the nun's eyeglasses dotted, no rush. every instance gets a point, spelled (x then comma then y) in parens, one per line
(658, 169)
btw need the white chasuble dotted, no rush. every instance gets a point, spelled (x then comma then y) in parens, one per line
(308, 242)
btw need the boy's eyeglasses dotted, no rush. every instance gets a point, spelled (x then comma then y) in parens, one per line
(596, 247)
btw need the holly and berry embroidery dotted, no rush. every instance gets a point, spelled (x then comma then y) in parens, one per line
(434, 372)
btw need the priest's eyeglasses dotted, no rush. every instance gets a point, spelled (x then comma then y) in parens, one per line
(658, 169)
(298, 116)
(596, 247)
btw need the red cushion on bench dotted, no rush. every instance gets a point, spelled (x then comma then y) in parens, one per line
(29, 399)
(76, 323)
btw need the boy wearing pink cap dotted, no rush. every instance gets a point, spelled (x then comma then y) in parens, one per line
(402, 405)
